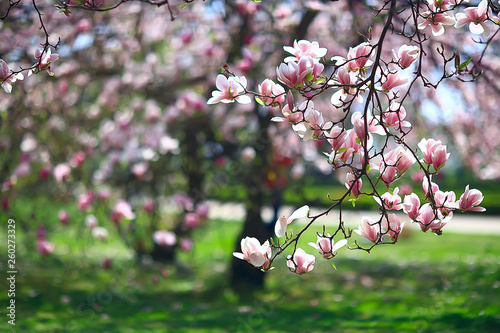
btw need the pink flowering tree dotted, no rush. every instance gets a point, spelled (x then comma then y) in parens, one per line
(370, 86)
(290, 92)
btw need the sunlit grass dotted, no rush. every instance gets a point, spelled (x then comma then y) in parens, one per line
(426, 283)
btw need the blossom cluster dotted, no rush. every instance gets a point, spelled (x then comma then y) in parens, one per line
(380, 87)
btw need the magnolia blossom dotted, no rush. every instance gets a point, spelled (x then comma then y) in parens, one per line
(44, 248)
(394, 116)
(311, 127)
(392, 225)
(297, 74)
(337, 137)
(369, 229)
(326, 246)
(192, 220)
(354, 184)
(85, 200)
(122, 210)
(282, 222)
(347, 80)
(358, 122)
(395, 164)
(391, 81)
(63, 217)
(272, 92)
(164, 238)
(230, 89)
(470, 200)
(7, 78)
(411, 204)
(304, 48)
(300, 262)
(429, 219)
(61, 172)
(348, 149)
(434, 153)
(407, 55)
(358, 58)
(91, 221)
(390, 201)
(253, 252)
(445, 201)
(44, 59)
(436, 21)
(476, 16)
(289, 114)
(100, 233)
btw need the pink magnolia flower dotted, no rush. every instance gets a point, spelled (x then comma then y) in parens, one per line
(426, 216)
(411, 204)
(358, 122)
(149, 205)
(432, 220)
(394, 116)
(369, 229)
(425, 186)
(290, 115)
(6, 79)
(77, 159)
(282, 222)
(436, 21)
(326, 246)
(445, 201)
(470, 200)
(304, 48)
(63, 217)
(230, 89)
(272, 92)
(391, 81)
(91, 221)
(337, 137)
(392, 225)
(61, 172)
(296, 75)
(311, 127)
(353, 184)
(347, 80)
(390, 201)
(186, 244)
(476, 16)
(253, 252)
(44, 248)
(44, 60)
(191, 220)
(100, 233)
(434, 153)
(202, 210)
(358, 58)
(300, 262)
(164, 238)
(85, 200)
(22, 170)
(395, 164)
(407, 55)
(122, 210)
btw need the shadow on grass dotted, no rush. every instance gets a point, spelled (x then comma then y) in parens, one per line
(367, 296)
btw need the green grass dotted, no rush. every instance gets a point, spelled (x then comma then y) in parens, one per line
(425, 283)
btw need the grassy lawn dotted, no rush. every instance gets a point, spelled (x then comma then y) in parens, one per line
(425, 283)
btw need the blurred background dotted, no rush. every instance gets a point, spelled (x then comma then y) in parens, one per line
(130, 193)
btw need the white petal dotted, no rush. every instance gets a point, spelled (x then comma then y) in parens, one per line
(339, 244)
(280, 227)
(299, 213)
